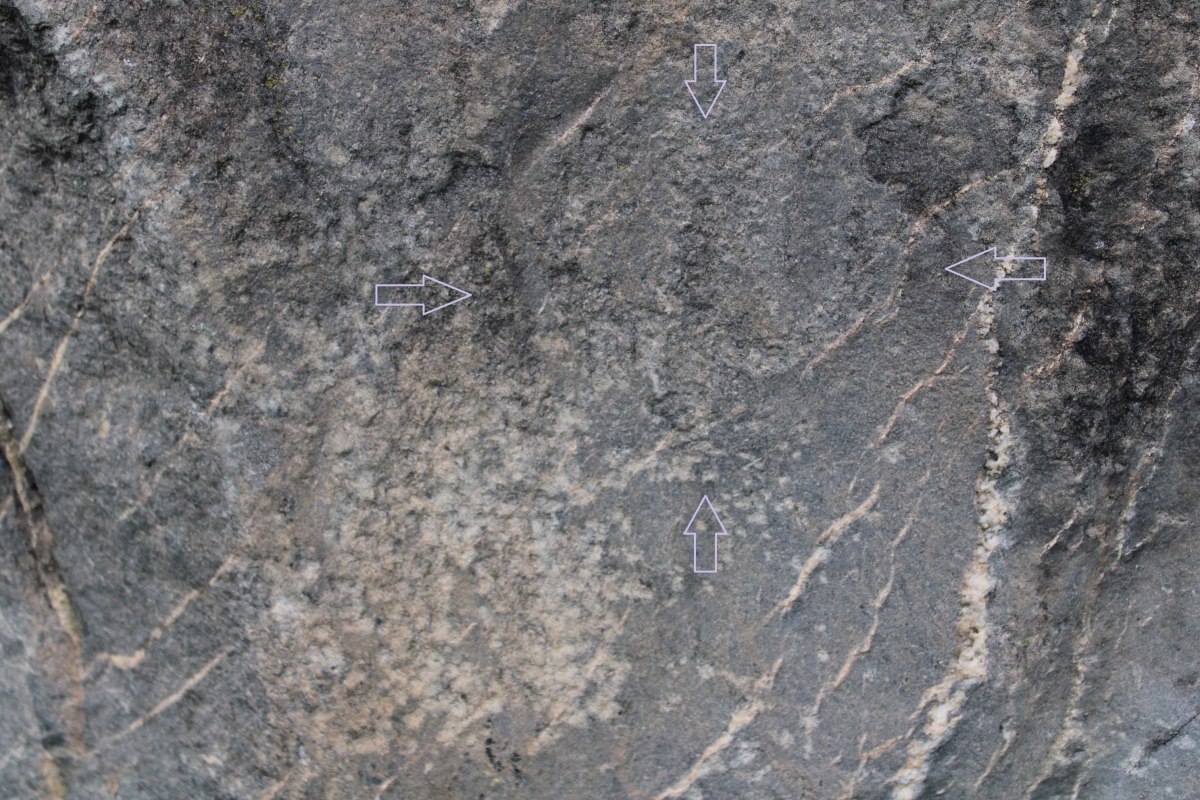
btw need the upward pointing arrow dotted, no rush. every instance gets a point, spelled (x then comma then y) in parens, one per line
(718, 531)
(691, 85)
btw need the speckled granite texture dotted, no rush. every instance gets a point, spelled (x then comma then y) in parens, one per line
(260, 538)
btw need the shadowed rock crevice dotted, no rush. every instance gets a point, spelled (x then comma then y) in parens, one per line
(55, 670)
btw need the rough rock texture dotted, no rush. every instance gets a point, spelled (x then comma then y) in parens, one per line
(263, 539)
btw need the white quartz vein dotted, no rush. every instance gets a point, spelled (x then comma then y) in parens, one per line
(742, 717)
(819, 554)
(61, 350)
(813, 717)
(943, 702)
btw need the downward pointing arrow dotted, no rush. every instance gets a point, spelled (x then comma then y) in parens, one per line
(696, 78)
(719, 531)
(428, 293)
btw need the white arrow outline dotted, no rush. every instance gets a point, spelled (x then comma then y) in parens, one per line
(695, 537)
(424, 278)
(696, 78)
(996, 284)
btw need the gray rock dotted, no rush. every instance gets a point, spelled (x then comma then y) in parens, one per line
(264, 539)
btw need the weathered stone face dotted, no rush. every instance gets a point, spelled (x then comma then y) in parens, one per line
(262, 538)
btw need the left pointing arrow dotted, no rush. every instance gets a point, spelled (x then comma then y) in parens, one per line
(430, 289)
(995, 284)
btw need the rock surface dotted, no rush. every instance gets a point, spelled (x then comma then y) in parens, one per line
(264, 539)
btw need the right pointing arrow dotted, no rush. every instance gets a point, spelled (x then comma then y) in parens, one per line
(704, 86)
(429, 293)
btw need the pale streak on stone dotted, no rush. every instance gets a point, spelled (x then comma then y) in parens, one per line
(302, 770)
(835, 531)
(1051, 140)
(841, 340)
(219, 396)
(1072, 76)
(943, 701)
(1163, 154)
(1187, 121)
(919, 224)
(650, 460)
(1051, 366)
(880, 598)
(1135, 487)
(812, 719)
(132, 660)
(128, 662)
(18, 749)
(1071, 729)
(451, 730)
(886, 80)
(863, 758)
(1018, 7)
(462, 637)
(41, 547)
(582, 118)
(1008, 736)
(171, 699)
(920, 386)
(1058, 534)
(15, 314)
(61, 351)
(275, 788)
(932, 211)
(864, 647)
(827, 538)
(385, 786)
(189, 437)
(495, 11)
(1135, 480)
(20, 686)
(52, 776)
(1065, 99)
(741, 718)
(547, 735)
